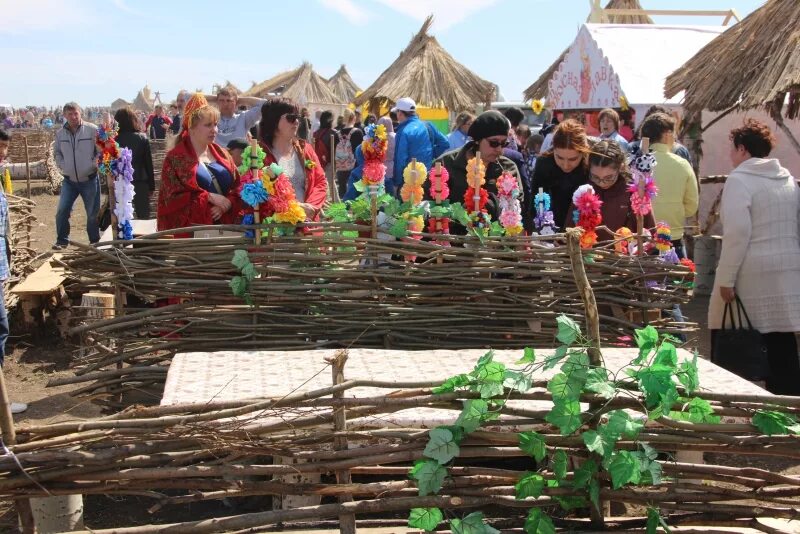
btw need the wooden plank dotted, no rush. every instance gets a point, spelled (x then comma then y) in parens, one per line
(46, 279)
(140, 227)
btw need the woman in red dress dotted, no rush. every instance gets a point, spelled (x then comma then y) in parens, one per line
(199, 180)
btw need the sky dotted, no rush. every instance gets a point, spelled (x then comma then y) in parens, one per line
(94, 51)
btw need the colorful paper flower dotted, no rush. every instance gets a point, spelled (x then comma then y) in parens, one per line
(663, 237)
(253, 194)
(476, 172)
(247, 220)
(247, 162)
(587, 204)
(623, 238)
(418, 178)
(537, 106)
(469, 200)
(294, 214)
(686, 262)
(373, 172)
(623, 103)
(309, 164)
(440, 190)
(412, 194)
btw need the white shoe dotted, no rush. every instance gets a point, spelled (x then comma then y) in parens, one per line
(18, 407)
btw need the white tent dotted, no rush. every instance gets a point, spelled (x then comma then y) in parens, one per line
(608, 61)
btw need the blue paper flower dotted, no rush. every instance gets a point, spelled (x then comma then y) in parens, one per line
(125, 231)
(254, 194)
(248, 219)
(542, 198)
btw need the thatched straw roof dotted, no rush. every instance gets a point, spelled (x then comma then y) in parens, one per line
(539, 88)
(303, 85)
(343, 85)
(144, 101)
(119, 104)
(754, 63)
(425, 72)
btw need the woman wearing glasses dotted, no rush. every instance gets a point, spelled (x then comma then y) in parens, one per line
(280, 120)
(563, 168)
(610, 176)
(489, 133)
(199, 181)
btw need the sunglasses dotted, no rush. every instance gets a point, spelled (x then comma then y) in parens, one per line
(292, 117)
(495, 144)
(604, 179)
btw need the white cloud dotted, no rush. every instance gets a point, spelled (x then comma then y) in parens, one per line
(348, 9)
(446, 13)
(32, 16)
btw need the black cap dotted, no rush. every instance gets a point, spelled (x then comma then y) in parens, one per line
(239, 143)
(488, 124)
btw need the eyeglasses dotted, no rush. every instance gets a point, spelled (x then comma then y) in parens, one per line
(604, 179)
(495, 143)
(292, 117)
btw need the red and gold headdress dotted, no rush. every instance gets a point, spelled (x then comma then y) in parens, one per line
(195, 104)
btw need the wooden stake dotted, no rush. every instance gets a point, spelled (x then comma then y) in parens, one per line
(27, 165)
(645, 147)
(347, 522)
(476, 198)
(254, 169)
(437, 197)
(333, 185)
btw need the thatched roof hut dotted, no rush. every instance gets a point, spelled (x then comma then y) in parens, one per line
(144, 100)
(425, 72)
(119, 104)
(303, 85)
(539, 88)
(753, 64)
(343, 85)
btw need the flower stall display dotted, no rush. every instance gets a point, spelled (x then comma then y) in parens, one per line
(543, 221)
(587, 214)
(642, 189)
(114, 163)
(508, 194)
(269, 196)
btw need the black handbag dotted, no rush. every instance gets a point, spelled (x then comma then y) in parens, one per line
(104, 216)
(740, 349)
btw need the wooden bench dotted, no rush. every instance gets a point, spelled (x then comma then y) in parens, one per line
(42, 290)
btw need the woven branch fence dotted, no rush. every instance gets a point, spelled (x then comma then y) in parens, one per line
(325, 289)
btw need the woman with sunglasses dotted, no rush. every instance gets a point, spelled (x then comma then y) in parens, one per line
(563, 168)
(489, 134)
(280, 120)
(610, 176)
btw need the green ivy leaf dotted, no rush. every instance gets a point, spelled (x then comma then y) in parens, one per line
(653, 473)
(654, 519)
(337, 212)
(529, 356)
(620, 423)
(584, 474)
(474, 413)
(570, 503)
(594, 493)
(458, 432)
(530, 485)
(460, 215)
(646, 340)
(568, 330)
(452, 383)
(472, 524)
(238, 285)
(566, 415)
(775, 423)
(564, 388)
(656, 382)
(425, 518)
(517, 381)
(429, 475)
(560, 461)
(552, 361)
(667, 355)
(399, 229)
(533, 444)
(697, 410)
(602, 444)
(624, 468)
(240, 258)
(597, 382)
(249, 272)
(490, 376)
(441, 446)
(688, 375)
(538, 522)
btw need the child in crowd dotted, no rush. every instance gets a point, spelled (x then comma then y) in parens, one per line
(533, 146)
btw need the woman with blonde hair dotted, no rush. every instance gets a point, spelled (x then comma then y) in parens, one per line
(199, 180)
(459, 137)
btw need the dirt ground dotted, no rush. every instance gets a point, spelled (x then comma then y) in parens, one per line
(33, 358)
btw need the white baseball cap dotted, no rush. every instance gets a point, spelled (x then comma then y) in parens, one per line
(405, 105)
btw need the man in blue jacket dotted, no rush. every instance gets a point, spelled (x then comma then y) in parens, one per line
(414, 139)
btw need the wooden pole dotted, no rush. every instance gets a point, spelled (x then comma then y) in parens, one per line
(645, 147)
(476, 197)
(333, 185)
(254, 169)
(437, 197)
(27, 166)
(23, 506)
(347, 522)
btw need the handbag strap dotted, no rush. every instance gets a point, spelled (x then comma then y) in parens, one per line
(740, 309)
(728, 308)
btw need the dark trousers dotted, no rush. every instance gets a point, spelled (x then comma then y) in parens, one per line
(784, 362)
(341, 182)
(141, 200)
(680, 250)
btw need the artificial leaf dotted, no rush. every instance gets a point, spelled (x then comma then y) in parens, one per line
(441, 446)
(577, 366)
(666, 355)
(530, 485)
(649, 452)
(240, 258)
(652, 520)
(472, 415)
(570, 503)
(458, 432)
(653, 473)
(656, 381)
(624, 468)
(249, 272)
(584, 474)
(517, 381)
(337, 212)
(490, 372)
(620, 423)
(529, 356)
(564, 388)
(566, 415)
(538, 522)
(552, 361)
(594, 493)
(597, 382)
(487, 358)
(399, 229)
(775, 423)
(533, 444)
(472, 524)
(425, 518)
(568, 330)
(646, 340)
(238, 286)
(460, 215)
(688, 375)
(697, 410)
(560, 461)
(452, 383)
(429, 475)
(599, 443)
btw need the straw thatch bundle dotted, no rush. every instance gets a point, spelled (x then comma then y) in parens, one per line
(539, 88)
(754, 63)
(142, 102)
(343, 85)
(425, 72)
(303, 85)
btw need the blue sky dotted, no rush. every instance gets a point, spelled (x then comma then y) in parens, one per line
(94, 51)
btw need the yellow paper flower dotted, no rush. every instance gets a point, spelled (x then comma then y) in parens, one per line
(380, 132)
(513, 230)
(537, 106)
(416, 223)
(623, 103)
(476, 170)
(413, 193)
(421, 176)
(295, 214)
(268, 184)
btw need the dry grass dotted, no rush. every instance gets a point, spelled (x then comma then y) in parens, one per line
(425, 72)
(301, 85)
(755, 63)
(343, 85)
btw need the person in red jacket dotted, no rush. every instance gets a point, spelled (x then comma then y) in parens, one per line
(280, 119)
(199, 181)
